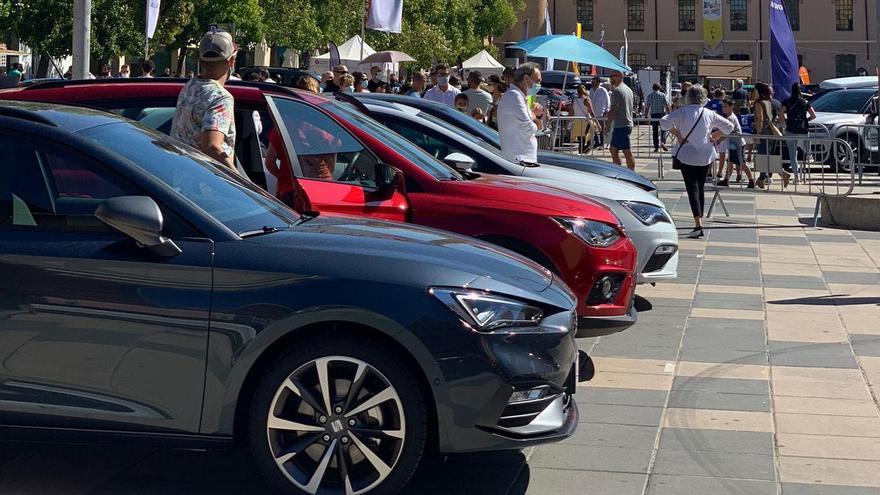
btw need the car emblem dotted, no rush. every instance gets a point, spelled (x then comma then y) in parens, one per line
(336, 425)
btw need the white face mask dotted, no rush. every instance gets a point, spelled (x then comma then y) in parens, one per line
(443, 80)
(124, 75)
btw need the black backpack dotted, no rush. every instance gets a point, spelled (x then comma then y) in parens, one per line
(796, 117)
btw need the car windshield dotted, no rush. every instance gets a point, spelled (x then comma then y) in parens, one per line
(466, 135)
(843, 101)
(233, 201)
(412, 153)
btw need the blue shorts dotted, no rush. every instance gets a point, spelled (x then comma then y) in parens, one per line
(620, 138)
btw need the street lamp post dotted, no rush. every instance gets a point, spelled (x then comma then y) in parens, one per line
(82, 34)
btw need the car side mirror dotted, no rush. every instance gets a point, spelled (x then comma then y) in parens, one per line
(140, 218)
(459, 161)
(389, 180)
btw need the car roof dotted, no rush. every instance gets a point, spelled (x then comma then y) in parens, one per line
(67, 117)
(391, 105)
(850, 82)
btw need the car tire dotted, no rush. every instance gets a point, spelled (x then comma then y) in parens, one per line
(293, 450)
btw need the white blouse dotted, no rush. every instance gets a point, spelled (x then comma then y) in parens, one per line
(699, 150)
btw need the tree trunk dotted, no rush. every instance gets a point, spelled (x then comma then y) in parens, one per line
(43, 66)
(181, 61)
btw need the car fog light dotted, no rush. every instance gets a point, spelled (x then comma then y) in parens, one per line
(607, 287)
(524, 395)
(665, 250)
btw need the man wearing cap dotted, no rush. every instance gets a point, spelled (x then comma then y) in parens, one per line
(204, 118)
(336, 84)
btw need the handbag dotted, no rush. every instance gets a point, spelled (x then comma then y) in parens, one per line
(774, 129)
(676, 163)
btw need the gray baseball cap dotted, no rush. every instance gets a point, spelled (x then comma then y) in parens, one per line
(216, 46)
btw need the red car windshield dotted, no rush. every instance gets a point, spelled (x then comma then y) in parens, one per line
(408, 150)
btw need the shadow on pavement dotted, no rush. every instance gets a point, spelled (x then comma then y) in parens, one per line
(48, 469)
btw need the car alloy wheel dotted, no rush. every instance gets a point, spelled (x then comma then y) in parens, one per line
(337, 423)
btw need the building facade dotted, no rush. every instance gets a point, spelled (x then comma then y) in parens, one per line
(835, 38)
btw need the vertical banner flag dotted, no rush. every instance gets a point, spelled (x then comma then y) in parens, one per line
(713, 28)
(385, 15)
(152, 17)
(624, 50)
(548, 31)
(783, 53)
(668, 86)
(334, 54)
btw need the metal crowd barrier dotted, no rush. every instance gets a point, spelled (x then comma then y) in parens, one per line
(863, 139)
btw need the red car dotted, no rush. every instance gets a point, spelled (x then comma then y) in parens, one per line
(348, 163)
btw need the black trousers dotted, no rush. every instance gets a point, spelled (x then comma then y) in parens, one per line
(658, 135)
(694, 184)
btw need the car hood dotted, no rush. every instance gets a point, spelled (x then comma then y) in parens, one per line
(590, 184)
(517, 193)
(829, 118)
(594, 166)
(402, 253)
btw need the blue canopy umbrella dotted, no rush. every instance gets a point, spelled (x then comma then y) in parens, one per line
(572, 49)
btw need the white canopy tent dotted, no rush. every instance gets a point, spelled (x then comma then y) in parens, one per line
(349, 55)
(484, 63)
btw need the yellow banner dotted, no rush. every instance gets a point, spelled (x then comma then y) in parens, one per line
(713, 28)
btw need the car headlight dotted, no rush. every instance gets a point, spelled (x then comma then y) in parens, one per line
(646, 212)
(487, 312)
(596, 234)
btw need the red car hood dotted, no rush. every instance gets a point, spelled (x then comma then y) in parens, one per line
(520, 193)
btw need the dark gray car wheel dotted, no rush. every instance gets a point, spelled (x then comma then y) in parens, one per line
(338, 416)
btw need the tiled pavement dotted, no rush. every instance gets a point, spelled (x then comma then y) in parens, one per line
(756, 372)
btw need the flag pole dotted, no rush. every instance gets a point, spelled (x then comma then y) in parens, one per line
(146, 30)
(363, 26)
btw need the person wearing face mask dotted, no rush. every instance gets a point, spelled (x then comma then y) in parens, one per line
(518, 121)
(376, 78)
(124, 72)
(443, 92)
(461, 102)
(347, 84)
(360, 82)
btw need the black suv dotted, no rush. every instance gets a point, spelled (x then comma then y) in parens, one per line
(149, 294)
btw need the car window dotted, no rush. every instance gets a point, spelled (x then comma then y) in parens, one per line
(238, 204)
(438, 145)
(844, 101)
(46, 188)
(324, 149)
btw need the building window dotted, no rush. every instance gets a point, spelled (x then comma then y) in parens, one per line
(687, 67)
(637, 61)
(687, 15)
(739, 56)
(635, 15)
(846, 65)
(844, 14)
(585, 14)
(793, 9)
(739, 15)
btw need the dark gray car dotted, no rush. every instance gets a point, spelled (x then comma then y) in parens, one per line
(149, 294)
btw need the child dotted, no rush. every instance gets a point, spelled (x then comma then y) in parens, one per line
(477, 113)
(461, 102)
(735, 147)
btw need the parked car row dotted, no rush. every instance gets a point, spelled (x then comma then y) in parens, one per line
(154, 293)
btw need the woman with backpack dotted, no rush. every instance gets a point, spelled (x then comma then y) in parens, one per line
(796, 114)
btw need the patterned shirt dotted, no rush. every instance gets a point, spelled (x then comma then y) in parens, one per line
(657, 102)
(204, 105)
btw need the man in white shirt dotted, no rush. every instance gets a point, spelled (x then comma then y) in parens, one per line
(601, 104)
(442, 92)
(517, 123)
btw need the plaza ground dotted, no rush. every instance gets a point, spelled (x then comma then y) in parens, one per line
(757, 371)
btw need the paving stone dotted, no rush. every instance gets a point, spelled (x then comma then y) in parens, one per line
(776, 240)
(731, 251)
(722, 323)
(866, 345)
(852, 277)
(865, 235)
(621, 415)
(824, 489)
(738, 442)
(817, 355)
(591, 458)
(714, 355)
(689, 399)
(620, 396)
(719, 280)
(611, 349)
(725, 338)
(793, 282)
(715, 464)
(775, 212)
(542, 481)
(721, 385)
(829, 238)
(678, 485)
(614, 435)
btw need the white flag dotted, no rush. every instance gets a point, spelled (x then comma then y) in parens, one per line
(548, 31)
(152, 16)
(385, 15)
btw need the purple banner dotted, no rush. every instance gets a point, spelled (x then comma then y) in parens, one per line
(783, 52)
